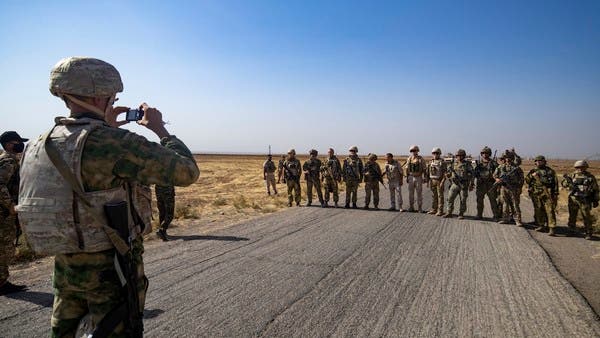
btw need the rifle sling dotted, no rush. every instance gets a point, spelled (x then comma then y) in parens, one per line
(109, 322)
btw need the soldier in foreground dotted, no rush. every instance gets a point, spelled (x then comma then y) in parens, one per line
(394, 174)
(543, 191)
(165, 201)
(291, 168)
(510, 178)
(484, 175)
(83, 199)
(13, 145)
(353, 175)
(583, 196)
(269, 175)
(415, 169)
(331, 174)
(460, 174)
(312, 173)
(373, 177)
(436, 176)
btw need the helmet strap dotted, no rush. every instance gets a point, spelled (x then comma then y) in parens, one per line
(91, 107)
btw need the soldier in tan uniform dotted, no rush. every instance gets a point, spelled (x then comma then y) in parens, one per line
(269, 175)
(415, 169)
(292, 171)
(436, 176)
(510, 177)
(542, 186)
(395, 175)
(373, 177)
(353, 174)
(331, 175)
(584, 195)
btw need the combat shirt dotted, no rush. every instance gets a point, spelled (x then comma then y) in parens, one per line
(9, 181)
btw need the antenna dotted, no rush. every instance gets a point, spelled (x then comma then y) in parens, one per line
(269, 149)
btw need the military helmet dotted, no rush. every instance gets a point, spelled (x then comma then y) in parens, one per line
(486, 150)
(313, 152)
(436, 151)
(581, 164)
(372, 157)
(292, 151)
(353, 148)
(540, 158)
(85, 76)
(413, 148)
(461, 152)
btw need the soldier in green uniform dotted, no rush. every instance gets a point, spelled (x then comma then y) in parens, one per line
(331, 174)
(484, 175)
(373, 176)
(509, 176)
(461, 176)
(543, 191)
(13, 145)
(269, 175)
(583, 196)
(436, 176)
(312, 173)
(165, 200)
(291, 168)
(76, 170)
(353, 175)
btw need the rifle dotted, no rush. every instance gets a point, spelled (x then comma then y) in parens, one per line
(18, 230)
(454, 175)
(502, 178)
(128, 312)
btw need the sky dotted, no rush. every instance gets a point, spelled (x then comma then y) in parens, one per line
(238, 76)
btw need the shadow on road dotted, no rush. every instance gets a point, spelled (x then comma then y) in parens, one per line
(209, 238)
(44, 299)
(153, 313)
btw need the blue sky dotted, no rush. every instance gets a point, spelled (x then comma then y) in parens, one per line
(236, 76)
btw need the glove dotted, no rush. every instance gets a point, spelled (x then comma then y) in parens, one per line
(595, 204)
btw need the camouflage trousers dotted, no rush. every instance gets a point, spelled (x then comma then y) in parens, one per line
(577, 205)
(270, 182)
(415, 183)
(483, 189)
(310, 183)
(293, 190)
(165, 200)
(87, 283)
(372, 187)
(395, 188)
(544, 210)
(351, 190)
(7, 244)
(511, 203)
(453, 192)
(437, 195)
(330, 185)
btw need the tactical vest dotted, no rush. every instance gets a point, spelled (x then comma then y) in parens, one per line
(462, 171)
(485, 171)
(269, 166)
(352, 168)
(415, 165)
(292, 171)
(435, 169)
(372, 174)
(314, 167)
(582, 185)
(333, 166)
(392, 171)
(54, 218)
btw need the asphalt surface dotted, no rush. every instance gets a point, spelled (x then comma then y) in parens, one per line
(316, 272)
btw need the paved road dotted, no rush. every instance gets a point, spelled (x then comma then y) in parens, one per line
(334, 272)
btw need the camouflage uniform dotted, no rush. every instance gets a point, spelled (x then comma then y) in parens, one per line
(269, 175)
(165, 201)
(511, 178)
(393, 171)
(436, 176)
(583, 196)
(484, 174)
(461, 176)
(331, 173)
(312, 173)
(9, 190)
(415, 168)
(372, 175)
(280, 169)
(292, 178)
(543, 191)
(87, 282)
(353, 175)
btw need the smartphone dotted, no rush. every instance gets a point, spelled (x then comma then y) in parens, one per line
(134, 115)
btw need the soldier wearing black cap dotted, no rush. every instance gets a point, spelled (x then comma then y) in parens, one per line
(13, 145)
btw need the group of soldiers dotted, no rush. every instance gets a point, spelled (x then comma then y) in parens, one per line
(501, 182)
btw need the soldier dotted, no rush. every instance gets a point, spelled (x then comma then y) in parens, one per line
(84, 167)
(373, 176)
(461, 175)
(13, 145)
(484, 174)
(312, 173)
(291, 168)
(395, 176)
(353, 175)
(415, 168)
(510, 177)
(436, 176)
(331, 174)
(165, 200)
(543, 190)
(280, 169)
(583, 196)
(269, 175)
